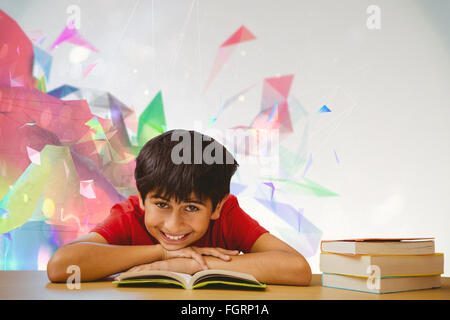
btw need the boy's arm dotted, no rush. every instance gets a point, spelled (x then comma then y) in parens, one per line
(270, 261)
(98, 259)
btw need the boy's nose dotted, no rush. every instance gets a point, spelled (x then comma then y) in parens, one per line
(173, 223)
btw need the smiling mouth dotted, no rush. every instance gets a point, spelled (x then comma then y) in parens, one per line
(172, 238)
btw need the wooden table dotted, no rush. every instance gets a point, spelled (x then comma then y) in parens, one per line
(26, 285)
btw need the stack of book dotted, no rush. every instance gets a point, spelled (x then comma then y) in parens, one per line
(381, 265)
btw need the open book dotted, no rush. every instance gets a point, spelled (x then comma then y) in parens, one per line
(198, 280)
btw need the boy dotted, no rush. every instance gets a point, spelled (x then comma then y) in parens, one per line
(183, 219)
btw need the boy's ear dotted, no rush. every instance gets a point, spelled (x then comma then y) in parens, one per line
(216, 214)
(141, 204)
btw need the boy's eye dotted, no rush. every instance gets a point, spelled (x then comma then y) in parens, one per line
(161, 205)
(191, 208)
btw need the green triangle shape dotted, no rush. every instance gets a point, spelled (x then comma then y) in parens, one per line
(152, 121)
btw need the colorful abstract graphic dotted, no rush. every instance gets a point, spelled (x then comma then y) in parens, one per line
(226, 49)
(67, 154)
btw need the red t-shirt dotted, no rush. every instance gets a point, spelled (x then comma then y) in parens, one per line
(234, 230)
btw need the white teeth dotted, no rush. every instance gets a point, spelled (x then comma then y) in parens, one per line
(174, 238)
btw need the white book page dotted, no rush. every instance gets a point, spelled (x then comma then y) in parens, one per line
(228, 273)
(181, 277)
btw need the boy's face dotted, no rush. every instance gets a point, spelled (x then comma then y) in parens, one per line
(177, 225)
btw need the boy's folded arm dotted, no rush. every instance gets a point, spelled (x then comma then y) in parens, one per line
(98, 259)
(270, 261)
(271, 267)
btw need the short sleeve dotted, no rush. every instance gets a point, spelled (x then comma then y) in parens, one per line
(241, 230)
(116, 227)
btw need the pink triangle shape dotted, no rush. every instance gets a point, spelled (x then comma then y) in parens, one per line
(270, 97)
(88, 69)
(281, 84)
(71, 35)
(241, 35)
(66, 34)
(80, 41)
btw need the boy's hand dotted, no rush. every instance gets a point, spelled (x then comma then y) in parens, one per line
(197, 253)
(183, 265)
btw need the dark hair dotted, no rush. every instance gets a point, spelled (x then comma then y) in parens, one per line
(156, 171)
